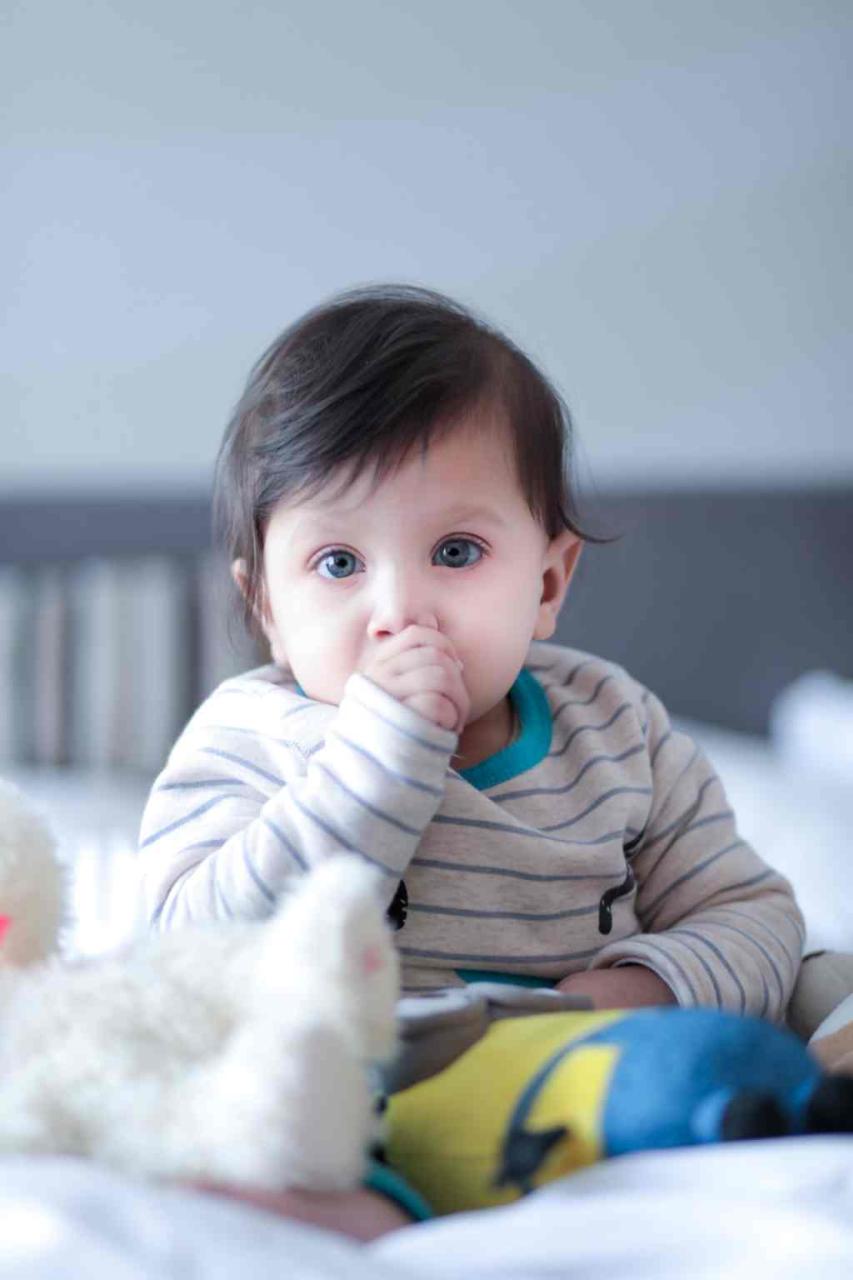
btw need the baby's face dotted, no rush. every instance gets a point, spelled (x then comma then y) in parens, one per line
(446, 542)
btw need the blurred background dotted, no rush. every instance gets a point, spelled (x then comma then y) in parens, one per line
(651, 196)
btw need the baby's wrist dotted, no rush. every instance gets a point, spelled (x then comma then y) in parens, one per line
(628, 986)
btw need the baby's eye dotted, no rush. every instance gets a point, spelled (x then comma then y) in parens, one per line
(456, 557)
(338, 557)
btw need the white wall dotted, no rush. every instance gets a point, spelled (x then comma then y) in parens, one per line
(654, 197)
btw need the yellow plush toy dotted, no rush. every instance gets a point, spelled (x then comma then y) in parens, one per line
(538, 1096)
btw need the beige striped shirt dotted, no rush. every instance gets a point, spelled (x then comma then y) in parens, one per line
(601, 835)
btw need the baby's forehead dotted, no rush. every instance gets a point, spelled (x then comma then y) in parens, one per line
(461, 473)
(436, 507)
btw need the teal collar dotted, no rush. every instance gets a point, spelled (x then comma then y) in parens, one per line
(532, 744)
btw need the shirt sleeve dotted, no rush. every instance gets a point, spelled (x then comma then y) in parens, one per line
(719, 925)
(239, 809)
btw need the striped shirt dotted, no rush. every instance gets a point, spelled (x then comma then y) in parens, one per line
(600, 836)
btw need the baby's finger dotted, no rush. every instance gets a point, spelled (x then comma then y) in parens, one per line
(421, 658)
(436, 707)
(439, 681)
(417, 637)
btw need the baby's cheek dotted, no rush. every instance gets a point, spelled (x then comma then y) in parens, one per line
(324, 677)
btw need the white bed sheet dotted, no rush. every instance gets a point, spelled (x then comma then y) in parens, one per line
(780, 1209)
(95, 817)
(797, 818)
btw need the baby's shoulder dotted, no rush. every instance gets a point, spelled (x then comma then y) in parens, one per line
(586, 675)
(250, 691)
(264, 702)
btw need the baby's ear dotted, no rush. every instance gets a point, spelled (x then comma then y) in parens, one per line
(241, 578)
(238, 573)
(261, 613)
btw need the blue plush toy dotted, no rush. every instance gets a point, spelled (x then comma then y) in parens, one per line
(539, 1096)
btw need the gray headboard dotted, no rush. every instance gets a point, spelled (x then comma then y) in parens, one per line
(716, 600)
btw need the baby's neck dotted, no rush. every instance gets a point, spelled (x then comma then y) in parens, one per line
(485, 737)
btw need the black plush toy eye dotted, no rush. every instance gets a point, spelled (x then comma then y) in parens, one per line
(399, 908)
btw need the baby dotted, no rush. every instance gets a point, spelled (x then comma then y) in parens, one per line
(395, 494)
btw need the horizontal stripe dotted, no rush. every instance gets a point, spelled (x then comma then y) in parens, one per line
(546, 670)
(667, 737)
(431, 909)
(596, 792)
(702, 904)
(365, 804)
(705, 941)
(584, 702)
(415, 783)
(595, 804)
(182, 822)
(525, 832)
(341, 840)
(403, 733)
(647, 950)
(724, 924)
(258, 734)
(590, 728)
(287, 843)
(455, 958)
(683, 818)
(256, 878)
(503, 796)
(201, 782)
(764, 928)
(543, 877)
(244, 763)
(649, 911)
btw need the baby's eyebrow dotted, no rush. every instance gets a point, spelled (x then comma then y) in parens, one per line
(474, 513)
(314, 519)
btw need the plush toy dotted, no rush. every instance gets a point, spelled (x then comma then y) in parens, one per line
(539, 1096)
(238, 1053)
(245, 1054)
(821, 1008)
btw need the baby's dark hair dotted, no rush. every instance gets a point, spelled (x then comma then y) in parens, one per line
(363, 378)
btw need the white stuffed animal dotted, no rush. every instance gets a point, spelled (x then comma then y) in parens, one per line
(238, 1053)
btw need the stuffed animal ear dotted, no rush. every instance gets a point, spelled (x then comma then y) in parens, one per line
(372, 956)
(32, 891)
(328, 948)
(368, 952)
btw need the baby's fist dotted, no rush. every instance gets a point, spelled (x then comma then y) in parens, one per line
(420, 669)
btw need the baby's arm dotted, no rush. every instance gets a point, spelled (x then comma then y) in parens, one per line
(627, 986)
(720, 927)
(362, 1214)
(239, 809)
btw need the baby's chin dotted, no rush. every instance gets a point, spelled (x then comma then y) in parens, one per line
(313, 689)
(325, 698)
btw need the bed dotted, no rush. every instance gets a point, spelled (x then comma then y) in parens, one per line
(758, 1210)
(780, 1208)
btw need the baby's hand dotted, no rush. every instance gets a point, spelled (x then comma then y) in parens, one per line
(629, 986)
(419, 668)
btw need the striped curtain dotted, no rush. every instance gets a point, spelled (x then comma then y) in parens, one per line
(103, 660)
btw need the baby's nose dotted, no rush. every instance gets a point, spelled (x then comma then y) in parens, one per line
(391, 620)
(401, 596)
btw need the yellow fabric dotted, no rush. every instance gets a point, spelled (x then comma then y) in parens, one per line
(446, 1135)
